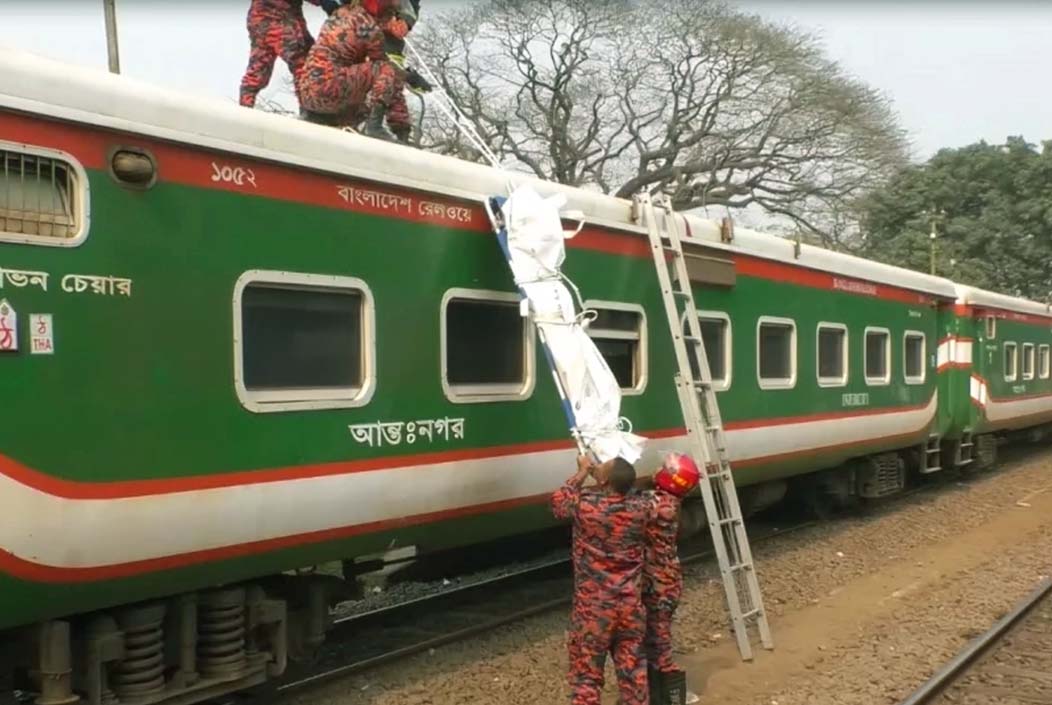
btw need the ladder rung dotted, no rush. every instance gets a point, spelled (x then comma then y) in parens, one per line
(933, 450)
(752, 613)
(683, 294)
(967, 445)
(692, 339)
(729, 520)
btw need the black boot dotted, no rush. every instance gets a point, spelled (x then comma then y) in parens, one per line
(374, 125)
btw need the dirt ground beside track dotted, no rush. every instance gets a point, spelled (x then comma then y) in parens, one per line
(863, 610)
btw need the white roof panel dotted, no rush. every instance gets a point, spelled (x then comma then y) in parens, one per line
(36, 84)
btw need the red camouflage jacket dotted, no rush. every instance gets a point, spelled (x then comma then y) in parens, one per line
(608, 541)
(662, 576)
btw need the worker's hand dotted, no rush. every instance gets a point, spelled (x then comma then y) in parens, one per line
(330, 6)
(417, 82)
(584, 464)
(402, 132)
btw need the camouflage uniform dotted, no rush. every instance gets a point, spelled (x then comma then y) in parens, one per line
(347, 72)
(607, 608)
(662, 577)
(275, 28)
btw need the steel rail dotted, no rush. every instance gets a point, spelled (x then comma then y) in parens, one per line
(962, 662)
(480, 627)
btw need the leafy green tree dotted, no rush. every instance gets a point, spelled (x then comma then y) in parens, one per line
(992, 207)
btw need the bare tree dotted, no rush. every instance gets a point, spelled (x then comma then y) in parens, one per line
(715, 106)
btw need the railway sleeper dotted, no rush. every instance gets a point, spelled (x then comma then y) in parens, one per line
(182, 650)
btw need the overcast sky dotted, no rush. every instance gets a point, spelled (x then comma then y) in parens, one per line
(957, 71)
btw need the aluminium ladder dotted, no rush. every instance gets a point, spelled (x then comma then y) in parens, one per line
(705, 434)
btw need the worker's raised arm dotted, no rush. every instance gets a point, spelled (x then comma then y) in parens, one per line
(567, 497)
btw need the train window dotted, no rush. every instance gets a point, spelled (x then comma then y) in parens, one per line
(1028, 360)
(1043, 362)
(878, 356)
(619, 331)
(776, 353)
(913, 354)
(1011, 357)
(43, 196)
(832, 355)
(716, 337)
(991, 327)
(303, 341)
(487, 347)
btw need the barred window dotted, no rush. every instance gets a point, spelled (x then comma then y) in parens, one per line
(40, 198)
(1043, 362)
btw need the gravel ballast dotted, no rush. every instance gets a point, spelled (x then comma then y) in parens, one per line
(863, 610)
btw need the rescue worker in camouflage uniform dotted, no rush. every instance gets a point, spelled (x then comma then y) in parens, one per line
(608, 552)
(276, 28)
(348, 76)
(662, 575)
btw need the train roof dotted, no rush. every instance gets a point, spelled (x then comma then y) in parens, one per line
(85, 94)
(970, 296)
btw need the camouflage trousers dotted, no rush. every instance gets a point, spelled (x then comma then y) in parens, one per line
(270, 38)
(601, 628)
(351, 92)
(658, 640)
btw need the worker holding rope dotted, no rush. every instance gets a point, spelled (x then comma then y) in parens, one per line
(349, 77)
(608, 552)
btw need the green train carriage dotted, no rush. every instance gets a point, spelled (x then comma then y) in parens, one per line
(237, 345)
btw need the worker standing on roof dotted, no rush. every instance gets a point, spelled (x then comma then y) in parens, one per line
(349, 78)
(608, 552)
(662, 575)
(276, 28)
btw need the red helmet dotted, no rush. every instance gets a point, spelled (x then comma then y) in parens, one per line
(378, 8)
(678, 475)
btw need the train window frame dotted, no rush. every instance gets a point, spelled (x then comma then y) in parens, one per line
(923, 376)
(1029, 354)
(720, 384)
(483, 392)
(642, 360)
(842, 380)
(774, 383)
(80, 210)
(1014, 358)
(885, 379)
(316, 398)
(991, 327)
(1044, 361)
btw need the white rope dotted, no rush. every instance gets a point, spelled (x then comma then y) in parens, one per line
(452, 111)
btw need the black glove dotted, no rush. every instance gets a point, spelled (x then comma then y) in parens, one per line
(417, 82)
(402, 133)
(330, 6)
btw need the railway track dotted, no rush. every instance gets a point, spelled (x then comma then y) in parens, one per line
(415, 626)
(402, 630)
(1010, 663)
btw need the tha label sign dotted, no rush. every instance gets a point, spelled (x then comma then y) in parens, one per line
(41, 334)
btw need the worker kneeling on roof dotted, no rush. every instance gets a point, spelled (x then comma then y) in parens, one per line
(608, 553)
(348, 76)
(662, 575)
